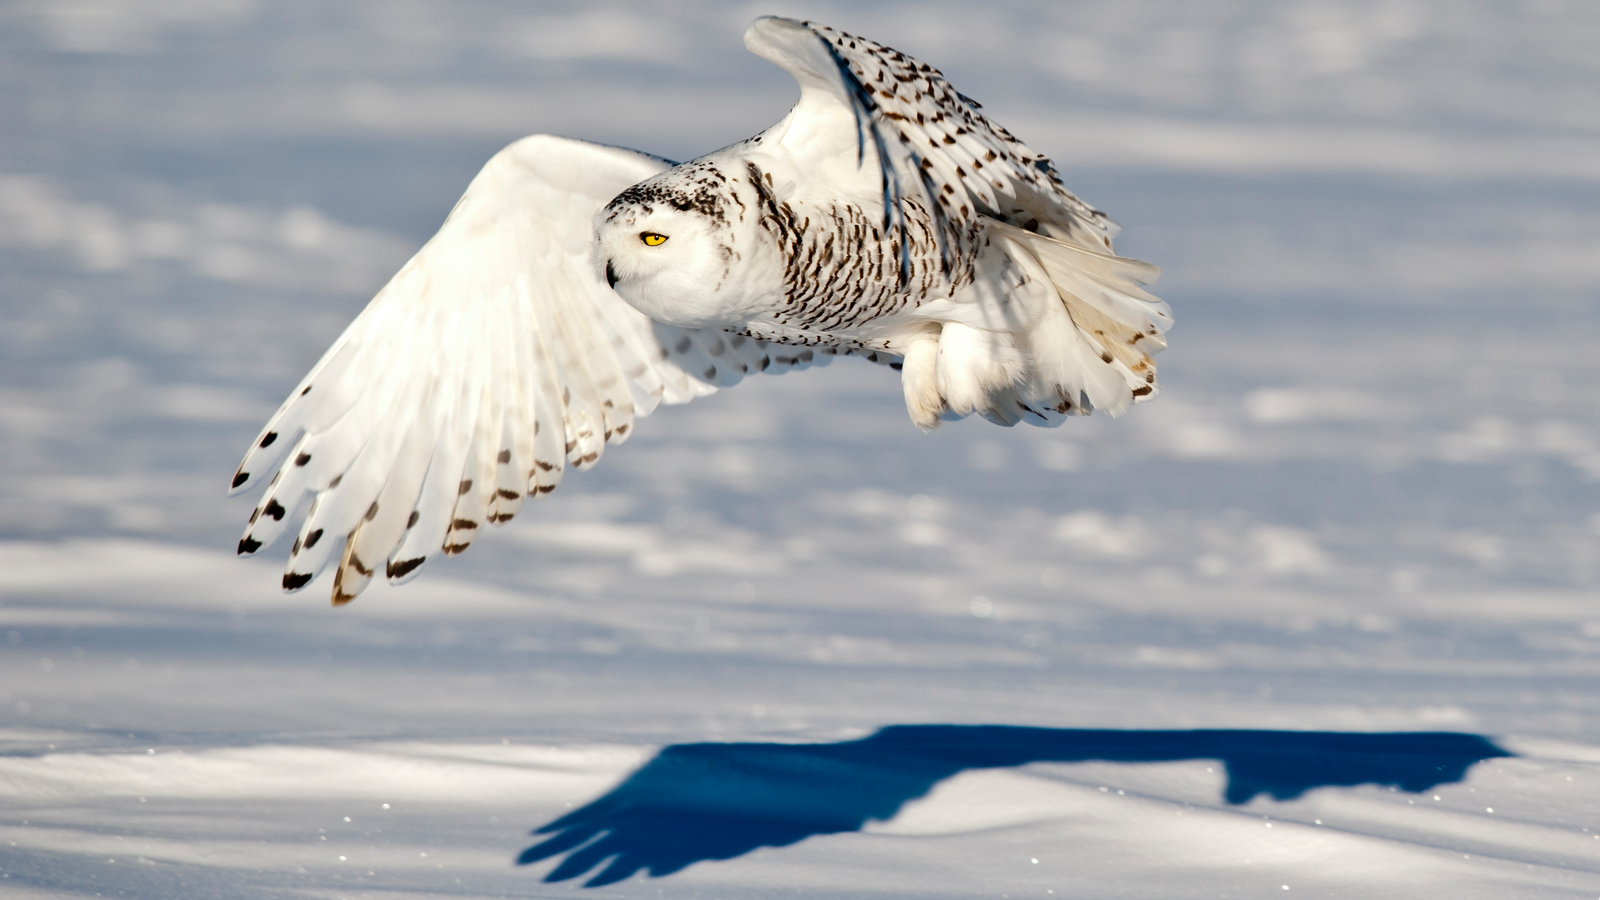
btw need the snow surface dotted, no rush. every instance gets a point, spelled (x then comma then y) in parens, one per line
(1322, 620)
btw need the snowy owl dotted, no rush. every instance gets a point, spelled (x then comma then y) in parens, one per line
(576, 286)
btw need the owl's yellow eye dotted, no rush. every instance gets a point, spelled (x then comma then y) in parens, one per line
(651, 239)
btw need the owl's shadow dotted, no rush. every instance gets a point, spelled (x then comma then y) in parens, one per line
(696, 802)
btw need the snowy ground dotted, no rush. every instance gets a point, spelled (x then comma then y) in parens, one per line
(1323, 619)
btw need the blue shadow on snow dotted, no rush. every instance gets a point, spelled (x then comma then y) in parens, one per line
(696, 802)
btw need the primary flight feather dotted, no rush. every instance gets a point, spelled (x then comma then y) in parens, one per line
(576, 286)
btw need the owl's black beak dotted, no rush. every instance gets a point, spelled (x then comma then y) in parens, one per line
(611, 275)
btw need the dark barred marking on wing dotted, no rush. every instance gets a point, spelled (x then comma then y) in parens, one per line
(966, 165)
(842, 270)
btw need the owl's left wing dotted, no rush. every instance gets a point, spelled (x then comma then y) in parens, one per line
(493, 360)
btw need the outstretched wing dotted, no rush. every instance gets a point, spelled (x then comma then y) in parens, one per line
(933, 149)
(930, 141)
(493, 360)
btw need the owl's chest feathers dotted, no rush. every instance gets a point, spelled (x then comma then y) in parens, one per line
(840, 269)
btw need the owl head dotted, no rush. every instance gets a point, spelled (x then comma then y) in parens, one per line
(669, 247)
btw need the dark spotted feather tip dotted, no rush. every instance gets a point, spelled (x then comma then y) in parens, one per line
(294, 581)
(404, 567)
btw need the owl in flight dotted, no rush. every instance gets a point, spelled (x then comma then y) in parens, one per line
(576, 286)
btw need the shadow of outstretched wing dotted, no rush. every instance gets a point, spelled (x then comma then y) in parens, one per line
(696, 802)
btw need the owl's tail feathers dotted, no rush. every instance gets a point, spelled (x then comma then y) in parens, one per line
(1074, 336)
(1093, 349)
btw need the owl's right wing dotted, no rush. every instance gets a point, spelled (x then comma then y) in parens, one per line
(932, 143)
(494, 359)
